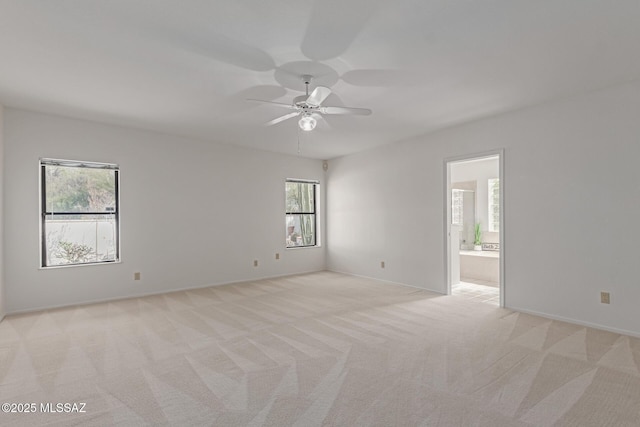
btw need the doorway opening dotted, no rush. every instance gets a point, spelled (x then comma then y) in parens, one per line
(474, 227)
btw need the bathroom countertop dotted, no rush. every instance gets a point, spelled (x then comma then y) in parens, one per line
(486, 254)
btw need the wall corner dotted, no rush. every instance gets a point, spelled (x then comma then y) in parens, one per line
(3, 305)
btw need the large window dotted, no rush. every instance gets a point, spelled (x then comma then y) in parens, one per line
(494, 204)
(79, 212)
(301, 213)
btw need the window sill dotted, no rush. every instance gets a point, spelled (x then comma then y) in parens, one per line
(294, 248)
(89, 264)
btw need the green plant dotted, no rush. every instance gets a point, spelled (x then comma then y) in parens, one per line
(478, 235)
(73, 253)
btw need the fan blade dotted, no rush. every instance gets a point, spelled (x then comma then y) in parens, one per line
(318, 95)
(346, 110)
(238, 101)
(323, 124)
(282, 118)
(277, 104)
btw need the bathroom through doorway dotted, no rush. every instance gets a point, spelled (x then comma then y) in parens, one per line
(475, 227)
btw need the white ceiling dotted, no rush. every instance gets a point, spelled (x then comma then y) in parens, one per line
(185, 67)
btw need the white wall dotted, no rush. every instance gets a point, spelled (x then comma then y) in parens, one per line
(571, 207)
(2, 289)
(192, 213)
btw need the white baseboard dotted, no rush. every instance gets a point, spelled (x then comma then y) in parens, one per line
(516, 309)
(575, 321)
(387, 281)
(148, 294)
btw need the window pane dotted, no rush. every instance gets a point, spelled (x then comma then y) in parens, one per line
(74, 189)
(301, 230)
(79, 239)
(457, 207)
(300, 197)
(494, 204)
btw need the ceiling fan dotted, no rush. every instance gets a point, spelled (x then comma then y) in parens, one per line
(309, 107)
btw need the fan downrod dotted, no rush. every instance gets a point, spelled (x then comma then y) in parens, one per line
(306, 79)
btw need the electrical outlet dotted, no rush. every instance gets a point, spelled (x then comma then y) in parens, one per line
(255, 262)
(605, 298)
(277, 255)
(136, 276)
(381, 264)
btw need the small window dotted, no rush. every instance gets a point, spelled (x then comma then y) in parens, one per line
(79, 213)
(301, 213)
(494, 204)
(457, 207)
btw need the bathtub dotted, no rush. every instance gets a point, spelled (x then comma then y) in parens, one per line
(481, 267)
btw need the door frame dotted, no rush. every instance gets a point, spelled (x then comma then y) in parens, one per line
(499, 153)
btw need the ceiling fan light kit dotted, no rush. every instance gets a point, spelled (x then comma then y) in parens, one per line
(307, 122)
(308, 105)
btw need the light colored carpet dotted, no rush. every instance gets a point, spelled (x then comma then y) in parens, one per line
(315, 349)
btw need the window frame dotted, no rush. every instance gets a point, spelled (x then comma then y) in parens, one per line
(492, 226)
(457, 209)
(314, 213)
(44, 214)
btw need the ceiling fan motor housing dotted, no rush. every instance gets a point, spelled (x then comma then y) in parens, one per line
(301, 101)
